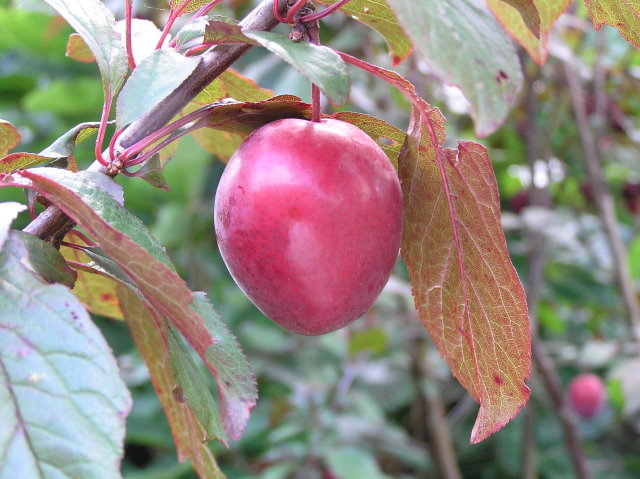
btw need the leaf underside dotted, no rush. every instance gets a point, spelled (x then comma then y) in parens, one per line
(621, 14)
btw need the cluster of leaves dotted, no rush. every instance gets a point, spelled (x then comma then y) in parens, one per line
(478, 330)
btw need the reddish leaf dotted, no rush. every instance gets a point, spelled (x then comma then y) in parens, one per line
(466, 290)
(150, 335)
(621, 14)
(218, 32)
(146, 264)
(512, 20)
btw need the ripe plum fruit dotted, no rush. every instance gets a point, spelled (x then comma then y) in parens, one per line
(587, 395)
(308, 218)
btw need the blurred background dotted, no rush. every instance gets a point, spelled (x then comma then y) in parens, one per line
(361, 403)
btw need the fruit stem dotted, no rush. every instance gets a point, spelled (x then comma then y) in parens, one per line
(327, 11)
(106, 108)
(314, 36)
(127, 9)
(173, 15)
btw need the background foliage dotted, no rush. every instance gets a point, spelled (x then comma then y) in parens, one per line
(355, 404)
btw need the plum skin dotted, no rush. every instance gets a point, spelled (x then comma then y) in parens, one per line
(308, 219)
(586, 395)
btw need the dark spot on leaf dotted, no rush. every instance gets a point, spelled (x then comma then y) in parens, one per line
(106, 297)
(178, 394)
(387, 141)
(501, 76)
(498, 379)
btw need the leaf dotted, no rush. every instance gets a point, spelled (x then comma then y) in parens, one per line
(95, 24)
(454, 38)
(223, 33)
(241, 88)
(379, 16)
(222, 144)
(466, 290)
(389, 138)
(153, 80)
(144, 37)
(445, 200)
(78, 50)
(621, 14)
(129, 244)
(63, 147)
(8, 212)
(195, 30)
(150, 335)
(59, 382)
(96, 292)
(319, 64)
(151, 172)
(9, 137)
(512, 20)
(192, 5)
(43, 259)
(528, 11)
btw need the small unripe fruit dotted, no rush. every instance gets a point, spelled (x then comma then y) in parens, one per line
(587, 395)
(308, 218)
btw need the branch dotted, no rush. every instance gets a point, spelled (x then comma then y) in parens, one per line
(52, 221)
(605, 203)
(544, 363)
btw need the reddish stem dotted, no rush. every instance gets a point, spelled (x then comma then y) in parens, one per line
(83, 237)
(295, 8)
(200, 13)
(327, 11)
(106, 108)
(127, 9)
(112, 143)
(160, 133)
(197, 49)
(276, 12)
(173, 16)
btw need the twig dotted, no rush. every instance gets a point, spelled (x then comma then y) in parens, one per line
(51, 221)
(430, 409)
(544, 363)
(605, 203)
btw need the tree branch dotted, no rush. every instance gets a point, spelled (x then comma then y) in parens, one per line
(605, 203)
(52, 221)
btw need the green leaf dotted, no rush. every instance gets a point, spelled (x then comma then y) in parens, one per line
(192, 386)
(43, 259)
(467, 48)
(128, 243)
(154, 79)
(621, 14)
(319, 64)
(62, 399)
(195, 30)
(9, 137)
(379, 16)
(95, 24)
(353, 463)
(150, 332)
